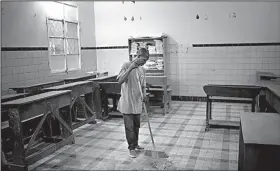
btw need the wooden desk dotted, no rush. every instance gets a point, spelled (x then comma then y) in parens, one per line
(113, 90)
(100, 97)
(240, 93)
(79, 78)
(77, 89)
(160, 81)
(35, 88)
(41, 105)
(6, 134)
(259, 142)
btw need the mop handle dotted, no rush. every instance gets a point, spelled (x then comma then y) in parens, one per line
(145, 109)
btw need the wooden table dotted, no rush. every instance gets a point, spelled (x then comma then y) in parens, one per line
(38, 106)
(35, 88)
(259, 142)
(77, 90)
(240, 93)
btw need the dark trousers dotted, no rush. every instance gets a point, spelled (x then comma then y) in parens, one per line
(132, 125)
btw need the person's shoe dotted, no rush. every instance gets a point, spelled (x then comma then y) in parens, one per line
(138, 147)
(132, 153)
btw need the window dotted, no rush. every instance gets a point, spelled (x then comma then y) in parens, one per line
(64, 41)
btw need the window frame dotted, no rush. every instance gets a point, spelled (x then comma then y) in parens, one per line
(65, 38)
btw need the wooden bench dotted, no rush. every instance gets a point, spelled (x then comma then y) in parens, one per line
(78, 89)
(229, 93)
(44, 107)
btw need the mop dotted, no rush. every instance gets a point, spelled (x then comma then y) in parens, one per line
(155, 154)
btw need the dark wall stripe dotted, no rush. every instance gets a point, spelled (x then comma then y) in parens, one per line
(23, 48)
(126, 47)
(236, 44)
(46, 48)
(105, 47)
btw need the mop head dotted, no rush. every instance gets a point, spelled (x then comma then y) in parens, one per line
(155, 154)
(158, 159)
(161, 164)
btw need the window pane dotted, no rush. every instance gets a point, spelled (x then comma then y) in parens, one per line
(72, 46)
(73, 62)
(57, 63)
(56, 46)
(71, 13)
(52, 9)
(71, 30)
(55, 28)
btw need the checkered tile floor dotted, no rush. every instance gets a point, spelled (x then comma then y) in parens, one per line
(180, 134)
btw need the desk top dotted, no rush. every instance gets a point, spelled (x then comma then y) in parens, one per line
(261, 128)
(245, 91)
(79, 77)
(35, 84)
(12, 96)
(235, 86)
(34, 98)
(103, 78)
(67, 86)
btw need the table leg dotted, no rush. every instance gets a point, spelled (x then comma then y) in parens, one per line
(64, 112)
(241, 150)
(90, 110)
(89, 102)
(253, 105)
(18, 147)
(210, 109)
(73, 114)
(165, 101)
(207, 113)
(97, 102)
(105, 103)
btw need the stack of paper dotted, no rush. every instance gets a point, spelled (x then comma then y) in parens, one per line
(152, 49)
(133, 50)
(159, 46)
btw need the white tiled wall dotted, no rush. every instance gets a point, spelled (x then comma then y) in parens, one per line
(111, 60)
(24, 67)
(193, 67)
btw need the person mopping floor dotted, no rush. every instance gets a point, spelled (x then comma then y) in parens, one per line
(130, 102)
